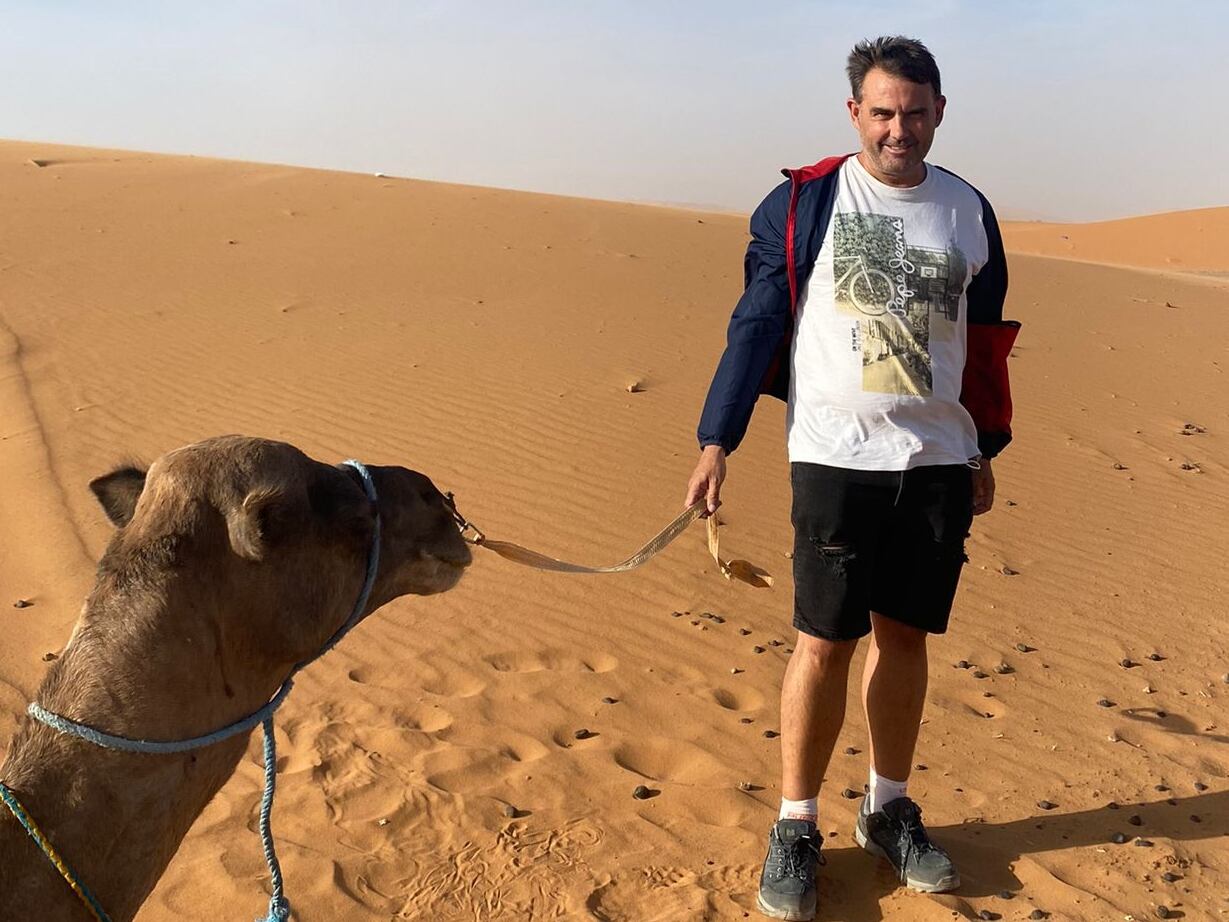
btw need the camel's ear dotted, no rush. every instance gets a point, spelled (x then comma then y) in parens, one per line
(259, 521)
(118, 493)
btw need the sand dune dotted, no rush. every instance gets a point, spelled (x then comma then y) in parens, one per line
(1183, 241)
(488, 338)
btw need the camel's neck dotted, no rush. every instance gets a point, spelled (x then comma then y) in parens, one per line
(117, 818)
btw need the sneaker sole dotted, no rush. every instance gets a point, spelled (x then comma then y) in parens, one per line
(790, 915)
(945, 885)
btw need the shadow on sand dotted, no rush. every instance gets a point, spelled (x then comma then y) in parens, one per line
(853, 882)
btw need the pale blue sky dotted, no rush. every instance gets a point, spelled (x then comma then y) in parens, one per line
(1073, 110)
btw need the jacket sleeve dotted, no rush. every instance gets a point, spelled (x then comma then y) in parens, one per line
(986, 390)
(759, 324)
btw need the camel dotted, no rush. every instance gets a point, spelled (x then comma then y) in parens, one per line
(234, 559)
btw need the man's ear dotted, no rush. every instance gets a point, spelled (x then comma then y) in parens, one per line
(118, 493)
(263, 518)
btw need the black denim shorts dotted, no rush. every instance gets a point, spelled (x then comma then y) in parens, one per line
(885, 541)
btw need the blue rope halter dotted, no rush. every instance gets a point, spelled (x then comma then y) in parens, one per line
(279, 906)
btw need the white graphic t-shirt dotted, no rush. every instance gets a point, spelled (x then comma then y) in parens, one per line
(879, 346)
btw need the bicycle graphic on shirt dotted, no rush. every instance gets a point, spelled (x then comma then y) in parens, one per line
(868, 289)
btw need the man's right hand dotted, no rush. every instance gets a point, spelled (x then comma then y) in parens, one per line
(706, 480)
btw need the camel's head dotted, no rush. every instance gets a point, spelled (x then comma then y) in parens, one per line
(273, 541)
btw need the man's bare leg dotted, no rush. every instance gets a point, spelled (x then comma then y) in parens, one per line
(812, 711)
(893, 694)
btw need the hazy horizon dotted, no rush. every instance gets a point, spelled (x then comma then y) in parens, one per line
(1056, 111)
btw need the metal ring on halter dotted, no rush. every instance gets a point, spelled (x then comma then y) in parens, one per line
(463, 523)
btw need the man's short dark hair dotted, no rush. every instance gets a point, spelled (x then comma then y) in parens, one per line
(893, 54)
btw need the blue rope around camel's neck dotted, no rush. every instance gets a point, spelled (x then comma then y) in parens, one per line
(279, 906)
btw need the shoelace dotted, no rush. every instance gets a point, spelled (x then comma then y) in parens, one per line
(919, 841)
(790, 860)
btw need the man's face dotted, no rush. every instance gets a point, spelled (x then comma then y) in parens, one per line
(896, 121)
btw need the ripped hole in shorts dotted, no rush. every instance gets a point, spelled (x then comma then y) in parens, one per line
(837, 556)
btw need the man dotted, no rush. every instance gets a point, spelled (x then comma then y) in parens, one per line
(873, 305)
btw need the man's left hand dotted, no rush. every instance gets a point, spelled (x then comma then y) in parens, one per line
(983, 487)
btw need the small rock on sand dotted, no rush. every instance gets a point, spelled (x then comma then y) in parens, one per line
(746, 720)
(1127, 663)
(1037, 914)
(1144, 843)
(1119, 838)
(1162, 911)
(962, 664)
(757, 649)
(22, 603)
(1005, 894)
(850, 751)
(49, 656)
(582, 734)
(510, 811)
(1104, 703)
(851, 794)
(978, 674)
(744, 631)
(1024, 648)
(640, 792)
(609, 700)
(1135, 819)
(1169, 877)
(1008, 571)
(1200, 786)
(1004, 669)
(734, 670)
(1046, 804)
(1155, 657)
(771, 734)
(987, 914)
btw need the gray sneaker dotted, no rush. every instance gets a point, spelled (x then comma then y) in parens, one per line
(897, 834)
(787, 883)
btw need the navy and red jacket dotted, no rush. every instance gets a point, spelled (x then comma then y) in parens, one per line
(787, 230)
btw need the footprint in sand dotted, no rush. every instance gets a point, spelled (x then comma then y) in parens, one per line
(426, 718)
(551, 661)
(662, 759)
(743, 699)
(447, 683)
(452, 683)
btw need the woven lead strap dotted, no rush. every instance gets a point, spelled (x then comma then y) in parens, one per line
(528, 558)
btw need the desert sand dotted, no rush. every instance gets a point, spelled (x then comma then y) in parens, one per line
(492, 340)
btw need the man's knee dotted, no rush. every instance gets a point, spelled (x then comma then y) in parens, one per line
(895, 636)
(824, 653)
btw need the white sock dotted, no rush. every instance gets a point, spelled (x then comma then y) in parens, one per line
(883, 791)
(799, 810)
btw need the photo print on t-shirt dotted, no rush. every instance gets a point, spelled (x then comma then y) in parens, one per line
(901, 296)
